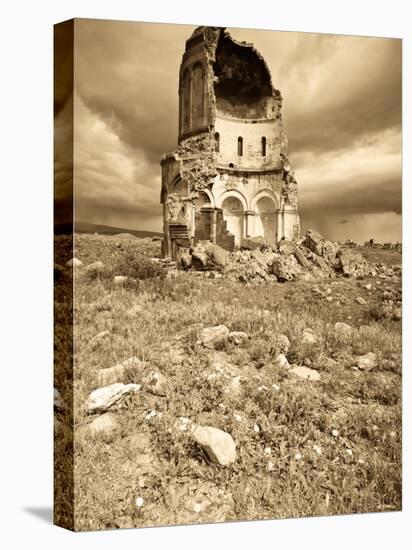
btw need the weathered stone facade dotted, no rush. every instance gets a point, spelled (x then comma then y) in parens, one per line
(229, 178)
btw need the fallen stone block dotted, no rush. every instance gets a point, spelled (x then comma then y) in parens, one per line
(218, 445)
(103, 398)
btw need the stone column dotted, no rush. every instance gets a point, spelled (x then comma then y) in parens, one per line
(167, 242)
(213, 226)
(279, 231)
(249, 222)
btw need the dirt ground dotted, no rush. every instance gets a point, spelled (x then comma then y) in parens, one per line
(303, 447)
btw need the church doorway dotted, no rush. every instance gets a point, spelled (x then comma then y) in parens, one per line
(233, 213)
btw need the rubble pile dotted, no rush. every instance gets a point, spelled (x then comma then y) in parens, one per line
(312, 257)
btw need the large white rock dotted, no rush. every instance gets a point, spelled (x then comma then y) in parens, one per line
(212, 336)
(103, 398)
(104, 427)
(218, 445)
(281, 361)
(305, 372)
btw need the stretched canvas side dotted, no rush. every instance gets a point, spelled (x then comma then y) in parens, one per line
(63, 275)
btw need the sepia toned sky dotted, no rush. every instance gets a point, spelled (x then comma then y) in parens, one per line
(341, 112)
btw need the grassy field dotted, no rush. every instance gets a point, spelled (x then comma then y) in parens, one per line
(304, 448)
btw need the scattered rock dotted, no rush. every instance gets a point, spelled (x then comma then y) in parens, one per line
(183, 424)
(185, 258)
(309, 337)
(74, 262)
(123, 372)
(218, 445)
(281, 361)
(367, 361)
(95, 267)
(200, 258)
(286, 268)
(397, 314)
(100, 336)
(368, 286)
(234, 388)
(238, 338)
(306, 373)
(314, 241)
(280, 343)
(133, 363)
(218, 255)
(119, 280)
(353, 265)
(156, 383)
(343, 330)
(361, 300)
(138, 442)
(104, 427)
(96, 340)
(59, 404)
(254, 243)
(135, 310)
(212, 336)
(106, 377)
(103, 398)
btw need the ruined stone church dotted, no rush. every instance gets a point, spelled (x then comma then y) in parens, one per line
(229, 180)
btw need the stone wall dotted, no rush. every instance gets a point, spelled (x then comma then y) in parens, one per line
(251, 133)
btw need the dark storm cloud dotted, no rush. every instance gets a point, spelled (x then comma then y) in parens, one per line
(373, 103)
(134, 82)
(357, 197)
(341, 110)
(338, 90)
(63, 45)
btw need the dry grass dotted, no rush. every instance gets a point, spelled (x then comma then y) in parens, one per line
(308, 471)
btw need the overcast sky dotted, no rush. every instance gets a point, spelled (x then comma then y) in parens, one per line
(341, 112)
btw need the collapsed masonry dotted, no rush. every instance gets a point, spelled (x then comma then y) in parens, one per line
(310, 258)
(229, 180)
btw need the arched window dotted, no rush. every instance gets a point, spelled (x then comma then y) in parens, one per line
(198, 90)
(263, 147)
(240, 146)
(186, 100)
(217, 142)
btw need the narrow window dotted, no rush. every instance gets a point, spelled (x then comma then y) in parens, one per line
(263, 147)
(217, 142)
(240, 146)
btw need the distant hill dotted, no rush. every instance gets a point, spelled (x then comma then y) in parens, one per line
(83, 227)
